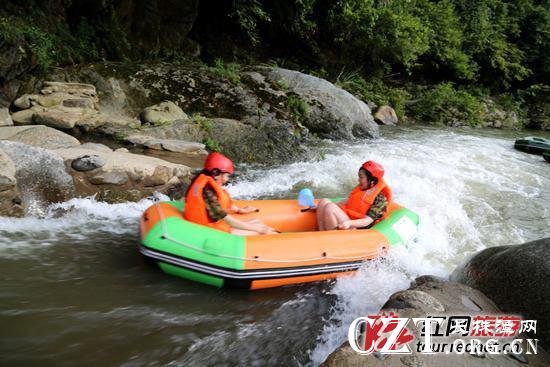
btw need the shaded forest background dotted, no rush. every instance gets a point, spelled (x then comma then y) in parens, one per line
(431, 60)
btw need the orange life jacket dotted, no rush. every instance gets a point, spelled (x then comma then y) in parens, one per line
(359, 201)
(195, 207)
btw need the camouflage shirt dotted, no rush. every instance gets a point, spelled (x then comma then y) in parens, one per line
(213, 207)
(377, 209)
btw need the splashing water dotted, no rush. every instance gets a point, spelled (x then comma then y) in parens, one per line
(471, 189)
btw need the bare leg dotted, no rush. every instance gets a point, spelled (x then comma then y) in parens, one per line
(333, 216)
(321, 208)
(243, 232)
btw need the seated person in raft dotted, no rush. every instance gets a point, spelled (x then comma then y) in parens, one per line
(208, 203)
(366, 204)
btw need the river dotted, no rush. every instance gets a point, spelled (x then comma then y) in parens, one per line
(75, 290)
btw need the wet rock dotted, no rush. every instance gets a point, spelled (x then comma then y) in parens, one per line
(57, 119)
(386, 116)
(171, 145)
(96, 146)
(60, 105)
(123, 176)
(160, 176)
(334, 113)
(38, 136)
(516, 279)
(23, 117)
(427, 297)
(87, 163)
(78, 103)
(111, 177)
(78, 89)
(5, 118)
(162, 113)
(41, 174)
(23, 102)
(10, 197)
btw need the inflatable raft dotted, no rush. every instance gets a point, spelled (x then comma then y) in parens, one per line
(298, 254)
(533, 145)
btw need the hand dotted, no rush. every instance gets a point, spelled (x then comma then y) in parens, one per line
(263, 229)
(247, 209)
(345, 225)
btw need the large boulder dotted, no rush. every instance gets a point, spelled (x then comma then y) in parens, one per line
(431, 296)
(10, 197)
(5, 118)
(333, 112)
(41, 174)
(162, 113)
(515, 278)
(38, 136)
(267, 115)
(120, 175)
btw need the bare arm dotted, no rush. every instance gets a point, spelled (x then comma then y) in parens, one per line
(239, 224)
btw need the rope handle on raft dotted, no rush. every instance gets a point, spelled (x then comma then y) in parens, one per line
(325, 256)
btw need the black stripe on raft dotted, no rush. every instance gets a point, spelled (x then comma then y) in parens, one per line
(249, 274)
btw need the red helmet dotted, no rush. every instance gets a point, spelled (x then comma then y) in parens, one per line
(375, 169)
(219, 161)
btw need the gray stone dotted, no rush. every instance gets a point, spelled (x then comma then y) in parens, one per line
(23, 117)
(96, 146)
(386, 116)
(49, 100)
(41, 174)
(78, 103)
(5, 118)
(38, 136)
(57, 119)
(23, 102)
(181, 146)
(10, 196)
(161, 176)
(334, 112)
(111, 177)
(78, 89)
(516, 279)
(87, 163)
(162, 113)
(418, 301)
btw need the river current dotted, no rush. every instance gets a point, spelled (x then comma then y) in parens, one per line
(75, 290)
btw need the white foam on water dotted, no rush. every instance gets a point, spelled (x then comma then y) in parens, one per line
(471, 192)
(74, 220)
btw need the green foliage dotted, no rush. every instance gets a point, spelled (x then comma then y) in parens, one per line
(120, 137)
(203, 122)
(445, 39)
(42, 45)
(206, 125)
(443, 105)
(211, 144)
(229, 71)
(489, 28)
(248, 13)
(281, 84)
(298, 108)
(375, 90)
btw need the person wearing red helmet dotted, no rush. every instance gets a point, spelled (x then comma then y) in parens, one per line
(365, 205)
(208, 203)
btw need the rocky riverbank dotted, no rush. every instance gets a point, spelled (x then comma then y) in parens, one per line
(512, 279)
(172, 115)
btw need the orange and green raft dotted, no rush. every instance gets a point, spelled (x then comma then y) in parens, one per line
(299, 254)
